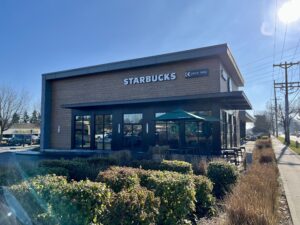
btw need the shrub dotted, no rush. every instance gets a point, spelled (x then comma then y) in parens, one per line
(165, 165)
(200, 167)
(176, 166)
(77, 169)
(254, 198)
(121, 157)
(176, 192)
(138, 206)
(263, 143)
(264, 155)
(99, 161)
(9, 175)
(119, 178)
(33, 196)
(162, 150)
(81, 202)
(59, 171)
(205, 201)
(223, 175)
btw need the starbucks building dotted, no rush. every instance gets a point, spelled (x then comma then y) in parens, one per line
(189, 100)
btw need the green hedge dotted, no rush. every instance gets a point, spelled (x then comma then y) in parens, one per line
(176, 192)
(119, 178)
(165, 165)
(205, 201)
(138, 206)
(52, 198)
(77, 169)
(223, 175)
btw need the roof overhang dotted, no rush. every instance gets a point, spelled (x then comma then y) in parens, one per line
(235, 100)
(246, 117)
(220, 51)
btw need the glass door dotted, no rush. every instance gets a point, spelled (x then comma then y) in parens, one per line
(103, 132)
(133, 131)
(83, 132)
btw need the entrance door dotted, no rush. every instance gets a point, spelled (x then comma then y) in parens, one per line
(83, 132)
(133, 131)
(103, 132)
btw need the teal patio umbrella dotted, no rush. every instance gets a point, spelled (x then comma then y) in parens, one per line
(179, 114)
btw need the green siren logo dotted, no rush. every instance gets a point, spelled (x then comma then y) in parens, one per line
(150, 78)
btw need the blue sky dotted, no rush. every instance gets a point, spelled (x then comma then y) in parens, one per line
(39, 36)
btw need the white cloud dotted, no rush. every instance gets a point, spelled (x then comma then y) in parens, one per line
(266, 28)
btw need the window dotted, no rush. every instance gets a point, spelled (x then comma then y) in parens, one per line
(167, 133)
(193, 131)
(224, 129)
(83, 132)
(133, 118)
(229, 85)
(133, 130)
(103, 132)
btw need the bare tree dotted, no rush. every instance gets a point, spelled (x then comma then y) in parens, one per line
(293, 112)
(11, 102)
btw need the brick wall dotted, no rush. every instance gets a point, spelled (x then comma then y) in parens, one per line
(110, 87)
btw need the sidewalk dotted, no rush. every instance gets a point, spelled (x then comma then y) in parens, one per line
(289, 168)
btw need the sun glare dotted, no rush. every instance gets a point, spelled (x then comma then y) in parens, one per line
(290, 11)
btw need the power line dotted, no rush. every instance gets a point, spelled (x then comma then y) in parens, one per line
(284, 38)
(266, 57)
(286, 85)
(296, 49)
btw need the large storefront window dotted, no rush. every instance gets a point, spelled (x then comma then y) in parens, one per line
(133, 131)
(167, 133)
(83, 132)
(193, 131)
(103, 132)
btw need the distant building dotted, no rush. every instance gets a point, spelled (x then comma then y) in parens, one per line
(23, 128)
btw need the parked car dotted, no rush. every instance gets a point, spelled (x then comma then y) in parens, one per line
(35, 140)
(20, 139)
(5, 139)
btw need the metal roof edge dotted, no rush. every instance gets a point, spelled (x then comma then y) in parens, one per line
(162, 99)
(209, 51)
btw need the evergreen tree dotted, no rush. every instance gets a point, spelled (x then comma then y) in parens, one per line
(25, 117)
(15, 118)
(34, 117)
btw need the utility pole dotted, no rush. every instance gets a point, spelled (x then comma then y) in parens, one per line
(285, 66)
(276, 113)
(271, 115)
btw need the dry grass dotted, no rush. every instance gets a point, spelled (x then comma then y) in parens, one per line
(254, 200)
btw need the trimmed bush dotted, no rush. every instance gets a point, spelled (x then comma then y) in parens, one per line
(176, 192)
(78, 169)
(223, 175)
(99, 161)
(59, 171)
(34, 195)
(205, 201)
(165, 165)
(138, 206)
(119, 178)
(83, 202)
(176, 166)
